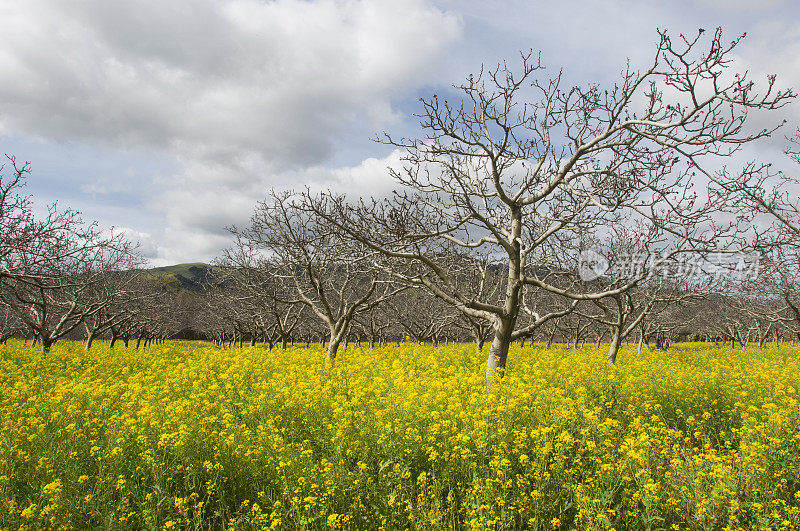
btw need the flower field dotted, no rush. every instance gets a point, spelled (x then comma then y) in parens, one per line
(187, 436)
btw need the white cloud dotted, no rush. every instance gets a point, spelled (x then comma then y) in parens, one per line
(106, 185)
(744, 5)
(147, 246)
(216, 81)
(370, 177)
(197, 217)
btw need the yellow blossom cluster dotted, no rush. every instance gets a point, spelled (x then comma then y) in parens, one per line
(186, 435)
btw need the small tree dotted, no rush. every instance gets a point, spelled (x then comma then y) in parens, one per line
(54, 268)
(10, 325)
(119, 288)
(327, 273)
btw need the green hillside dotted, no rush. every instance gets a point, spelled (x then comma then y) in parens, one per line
(189, 276)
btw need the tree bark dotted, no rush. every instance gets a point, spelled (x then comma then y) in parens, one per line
(333, 348)
(613, 347)
(89, 341)
(46, 343)
(498, 352)
(550, 339)
(479, 342)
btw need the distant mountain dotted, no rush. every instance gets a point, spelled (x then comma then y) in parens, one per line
(188, 277)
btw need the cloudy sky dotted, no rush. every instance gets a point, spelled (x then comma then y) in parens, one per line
(171, 118)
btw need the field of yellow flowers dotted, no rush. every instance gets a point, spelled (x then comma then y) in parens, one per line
(189, 436)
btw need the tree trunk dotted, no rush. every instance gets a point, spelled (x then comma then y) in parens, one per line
(613, 347)
(498, 352)
(46, 343)
(479, 342)
(333, 348)
(89, 340)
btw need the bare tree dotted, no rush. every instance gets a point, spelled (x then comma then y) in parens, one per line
(54, 268)
(519, 168)
(328, 274)
(631, 250)
(14, 211)
(769, 202)
(60, 280)
(10, 325)
(376, 325)
(254, 283)
(120, 289)
(421, 316)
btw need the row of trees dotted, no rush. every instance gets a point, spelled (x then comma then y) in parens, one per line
(61, 277)
(526, 211)
(415, 315)
(519, 179)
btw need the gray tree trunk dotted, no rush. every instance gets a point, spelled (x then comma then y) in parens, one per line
(613, 347)
(333, 348)
(89, 341)
(498, 352)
